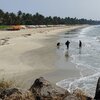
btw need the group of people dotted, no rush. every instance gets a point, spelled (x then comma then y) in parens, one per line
(67, 44)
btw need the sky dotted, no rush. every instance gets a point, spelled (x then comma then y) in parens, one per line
(89, 9)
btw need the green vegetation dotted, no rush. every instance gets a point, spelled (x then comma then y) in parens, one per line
(4, 27)
(21, 18)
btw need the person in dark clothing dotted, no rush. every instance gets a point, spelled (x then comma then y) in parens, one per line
(80, 44)
(67, 44)
(58, 44)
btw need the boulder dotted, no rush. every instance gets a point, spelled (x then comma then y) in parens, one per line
(71, 97)
(97, 94)
(44, 90)
(8, 92)
(16, 94)
(81, 95)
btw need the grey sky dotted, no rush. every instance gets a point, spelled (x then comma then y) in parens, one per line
(89, 9)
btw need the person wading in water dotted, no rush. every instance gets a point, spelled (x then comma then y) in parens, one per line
(67, 44)
(58, 44)
(80, 44)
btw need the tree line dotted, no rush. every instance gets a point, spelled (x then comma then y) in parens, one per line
(21, 18)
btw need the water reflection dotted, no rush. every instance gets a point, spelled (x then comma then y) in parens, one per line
(80, 51)
(67, 55)
(58, 47)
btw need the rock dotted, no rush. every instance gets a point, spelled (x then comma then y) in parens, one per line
(97, 94)
(44, 90)
(16, 94)
(8, 92)
(71, 97)
(78, 95)
(24, 96)
(74, 97)
(81, 95)
(26, 35)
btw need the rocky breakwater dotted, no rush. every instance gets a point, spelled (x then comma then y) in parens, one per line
(44, 90)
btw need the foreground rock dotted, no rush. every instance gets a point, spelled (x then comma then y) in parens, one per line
(43, 90)
(16, 94)
(97, 94)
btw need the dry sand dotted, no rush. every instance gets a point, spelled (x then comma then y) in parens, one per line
(31, 53)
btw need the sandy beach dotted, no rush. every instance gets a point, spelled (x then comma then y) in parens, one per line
(31, 53)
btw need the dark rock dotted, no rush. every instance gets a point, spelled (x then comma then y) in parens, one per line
(8, 92)
(71, 97)
(44, 90)
(38, 98)
(97, 94)
(38, 83)
(26, 95)
(26, 35)
(81, 95)
(75, 97)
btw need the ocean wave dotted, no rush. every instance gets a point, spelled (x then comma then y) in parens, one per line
(98, 38)
(87, 83)
(86, 60)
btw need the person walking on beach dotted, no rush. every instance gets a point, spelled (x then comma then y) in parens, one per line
(67, 44)
(80, 44)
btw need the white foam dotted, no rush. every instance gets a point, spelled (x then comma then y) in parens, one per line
(85, 83)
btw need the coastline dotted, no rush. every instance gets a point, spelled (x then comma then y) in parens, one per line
(31, 53)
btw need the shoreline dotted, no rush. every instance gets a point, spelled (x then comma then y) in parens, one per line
(31, 54)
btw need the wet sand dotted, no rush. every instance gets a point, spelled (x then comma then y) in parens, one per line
(31, 53)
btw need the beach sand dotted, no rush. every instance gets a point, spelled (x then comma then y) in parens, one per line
(31, 53)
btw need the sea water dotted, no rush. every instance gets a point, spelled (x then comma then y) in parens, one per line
(86, 59)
